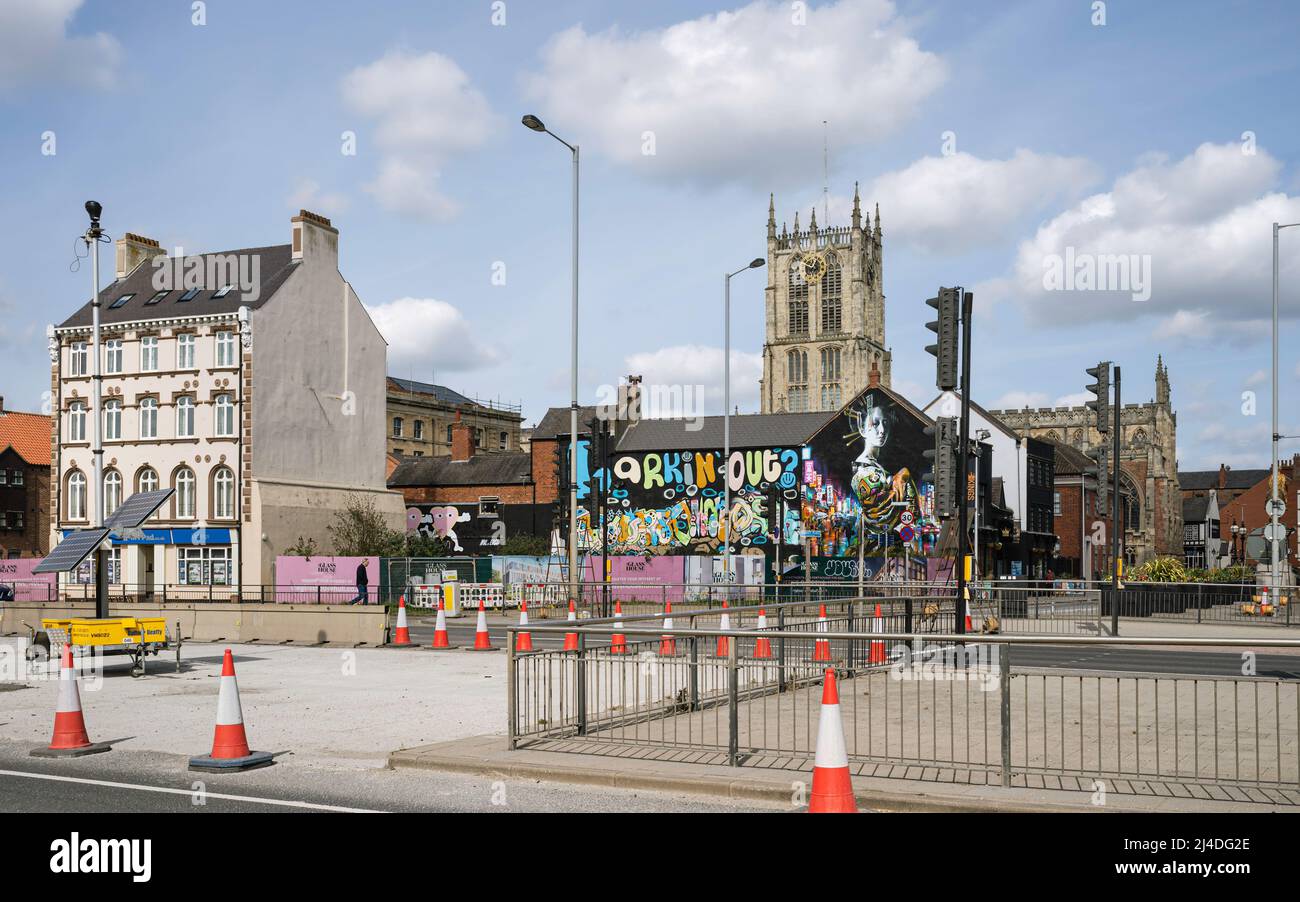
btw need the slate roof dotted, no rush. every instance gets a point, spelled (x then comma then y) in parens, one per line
(1194, 509)
(440, 392)
(499, 468)
(556, 422)
(1070, 461)
(275, 266)
(1200, 480)
(748, 430)
(28, 434)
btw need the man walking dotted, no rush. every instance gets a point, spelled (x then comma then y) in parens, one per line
(363, 582)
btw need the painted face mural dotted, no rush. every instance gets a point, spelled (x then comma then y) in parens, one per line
(439, 521)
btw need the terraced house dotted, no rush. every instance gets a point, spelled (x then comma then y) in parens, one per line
(252, 382)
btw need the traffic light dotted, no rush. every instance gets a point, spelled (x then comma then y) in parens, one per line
(943, 459)
(945, 328)
(1102, 472)
(1100, 388)
(561, 466)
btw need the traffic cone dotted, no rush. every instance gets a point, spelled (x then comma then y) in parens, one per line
(668, 643)
(832, 787)
(523, 640)
(230, 749)
(877, 645)
(822, 648)
(571, 639)
(482, 641)
(440, 639)
(725, 624)
(762, 647)
(70, 739)
(402, 635)
(618, 643)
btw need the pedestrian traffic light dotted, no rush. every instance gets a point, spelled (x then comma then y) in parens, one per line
(945, 347)
(1100, 388)
(943, 457)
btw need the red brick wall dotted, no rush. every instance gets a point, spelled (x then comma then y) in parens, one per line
(469, 494)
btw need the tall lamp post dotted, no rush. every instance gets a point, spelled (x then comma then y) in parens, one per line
(1275, 502)
(536, 125)
(726, 405)
(94, 235)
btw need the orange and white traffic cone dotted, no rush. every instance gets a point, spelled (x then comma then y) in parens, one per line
(230, 749)
(524, 639)
(877, 645)
(402, 635)
(70, 739)
(822, 647)
(618, 642)
(482, 641)
(832, 787)
(440, 638)
(668, 642)
(724, 624)
(762, 646)
(571, 639)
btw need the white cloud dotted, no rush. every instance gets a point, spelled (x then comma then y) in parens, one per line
(35, 45)
(1014, 400)
(1078, 399)
(1202, 222)
(1187, 327)
(1259, 377)
(739, 95)
(307, 195)
(698, 369)
(425, 334)
(951, 204)
(426, 112)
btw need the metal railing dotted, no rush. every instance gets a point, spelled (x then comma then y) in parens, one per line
(174, 592)
(927, 705)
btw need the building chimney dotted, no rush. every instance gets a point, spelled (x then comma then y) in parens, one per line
(462, 440)
(314, 239)
(873, 378)
(1223, 476)
(132, 250)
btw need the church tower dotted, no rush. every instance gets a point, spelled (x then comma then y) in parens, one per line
(825, 310)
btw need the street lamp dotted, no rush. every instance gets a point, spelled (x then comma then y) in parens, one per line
(532, 122)
(1274, 504)
(726, 403)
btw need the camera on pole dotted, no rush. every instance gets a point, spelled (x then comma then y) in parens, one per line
(943, 458)
(1100, 388)
(945, 328)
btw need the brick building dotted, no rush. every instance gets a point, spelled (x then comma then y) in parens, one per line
(1242, 495)
(420, 418)
(24, 484)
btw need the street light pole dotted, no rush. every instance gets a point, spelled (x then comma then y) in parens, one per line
(1275, 569)
(726, 412)
(94, 234)
(532, 122)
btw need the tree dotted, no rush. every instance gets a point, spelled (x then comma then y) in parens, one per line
(359, 530)
(303, 548)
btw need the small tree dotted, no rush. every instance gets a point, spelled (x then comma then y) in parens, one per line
(304, 547)
(359, 530)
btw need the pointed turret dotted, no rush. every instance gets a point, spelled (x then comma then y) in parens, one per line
(877, 231)
(812, 227)
(1162, 381)
(771, 216)
(857, 208)
(796, 223)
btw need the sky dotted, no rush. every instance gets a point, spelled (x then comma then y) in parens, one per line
(1009, 145)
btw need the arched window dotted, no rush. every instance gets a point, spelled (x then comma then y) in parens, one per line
(77, 421)
(798, 300)
(830, 363)
(184, 484)
(112, 491)
(223, 494)
(797, 378)
(1132, 504)
(831, 305)
(76, 504)
(112, 420)
(184, 417)
(146, 480)
(148, 418)
(224, 408)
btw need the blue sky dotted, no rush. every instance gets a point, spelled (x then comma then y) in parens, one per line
(993, 135)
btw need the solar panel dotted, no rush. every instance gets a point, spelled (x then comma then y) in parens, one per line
(138, 508)
(71, 551)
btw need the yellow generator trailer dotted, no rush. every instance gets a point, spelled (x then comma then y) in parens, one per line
(138, 637)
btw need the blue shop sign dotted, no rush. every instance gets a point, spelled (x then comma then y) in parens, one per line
(170, 537)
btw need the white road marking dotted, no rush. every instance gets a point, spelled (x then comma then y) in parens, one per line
(188, 792)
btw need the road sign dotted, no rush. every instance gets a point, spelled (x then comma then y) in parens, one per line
(1275, 532)
(906, 533)
(1256, 547)
(1277, 503)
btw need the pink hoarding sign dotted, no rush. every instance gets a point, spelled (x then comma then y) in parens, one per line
(325, 571)
(28, 586)
(633, 576)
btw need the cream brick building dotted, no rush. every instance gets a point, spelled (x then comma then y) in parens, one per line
(825, 314)
(253, 383)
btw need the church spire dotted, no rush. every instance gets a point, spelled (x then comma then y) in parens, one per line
(857, 208)
(1162, 381)
(813, 225)
(796, 223)
(771, 216)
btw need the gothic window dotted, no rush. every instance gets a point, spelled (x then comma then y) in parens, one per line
(798, 300)
(831, 305)
(797, 379)
(830, 363)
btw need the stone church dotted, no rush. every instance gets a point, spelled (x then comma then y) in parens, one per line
(825, 307)
(1148, 463)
